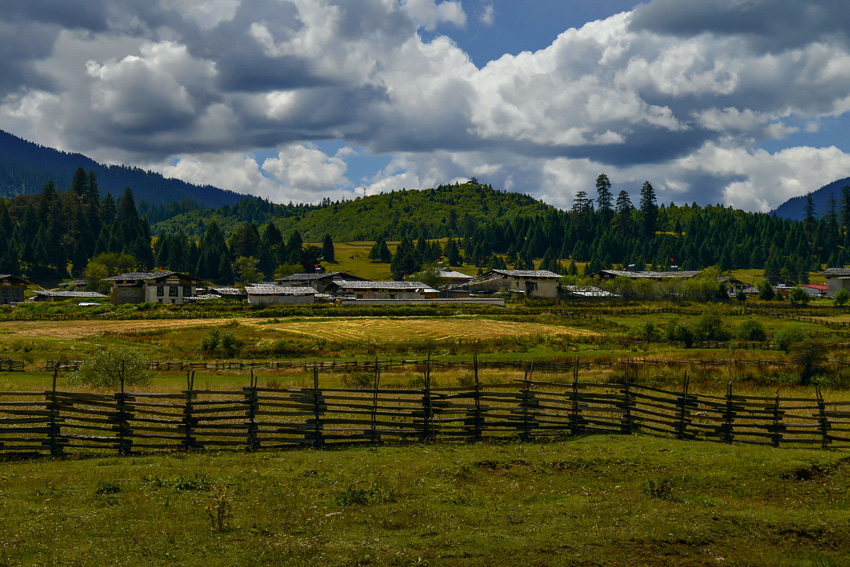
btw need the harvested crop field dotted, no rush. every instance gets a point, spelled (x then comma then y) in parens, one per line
(387, 329)
(365, 329)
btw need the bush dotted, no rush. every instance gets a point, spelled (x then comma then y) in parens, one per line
(228, 342)
(710, 327)
(809, 356)
(211, 340)
(786, 338)
(798, 296)
(766, 291)
(841, 297)
(104, 369)
(677, 331)
(750, 330)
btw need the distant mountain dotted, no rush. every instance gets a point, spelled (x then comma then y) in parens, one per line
(447, 210)
(26, 167)
(793, 208)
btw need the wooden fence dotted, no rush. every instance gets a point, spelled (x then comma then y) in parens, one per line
(547, 366)
(253, 417)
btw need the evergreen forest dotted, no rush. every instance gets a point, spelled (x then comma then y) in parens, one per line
(80, 233)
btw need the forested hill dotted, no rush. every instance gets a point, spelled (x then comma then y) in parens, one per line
(25, 168)
(829, 199)
(447, 210)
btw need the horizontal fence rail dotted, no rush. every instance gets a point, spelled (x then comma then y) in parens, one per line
(550, 366)
(253, 417)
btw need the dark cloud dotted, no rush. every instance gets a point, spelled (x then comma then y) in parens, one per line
(772, 25)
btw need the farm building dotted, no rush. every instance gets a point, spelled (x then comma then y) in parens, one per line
(156, 287)
(814, 290)
(541, 284)
(836, 279)
(318, 281)
(453, 277)
(364, 289)
(53, 295)
(269, 294)
(646, 274)
(12, 289)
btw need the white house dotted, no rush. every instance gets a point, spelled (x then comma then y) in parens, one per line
(269, 294)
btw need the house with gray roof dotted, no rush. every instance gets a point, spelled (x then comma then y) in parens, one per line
(62, 295)
(541, 284)
(647, 274)
(12, 289)
(393, 290)
(318, 280)
(270, 294)
(156, 287)
(836, 279)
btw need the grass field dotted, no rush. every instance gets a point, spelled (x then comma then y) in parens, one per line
(585, 501)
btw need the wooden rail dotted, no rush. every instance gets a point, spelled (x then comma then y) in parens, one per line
(253, 417)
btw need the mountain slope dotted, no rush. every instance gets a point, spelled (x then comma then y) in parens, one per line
(26, 167)
(794, 208)
(448, 210)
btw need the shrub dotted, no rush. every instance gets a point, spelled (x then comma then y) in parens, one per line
(211, 340)
(809, 356)
(766, 291)
(228, 342)
(786, 338)
(798, 296)
(106, 367)
(750, 330)
(677, 331)
(710, 327)
(841, 297)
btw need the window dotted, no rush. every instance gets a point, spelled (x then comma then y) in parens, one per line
(160, 291)
(187, 291)
(172, 291)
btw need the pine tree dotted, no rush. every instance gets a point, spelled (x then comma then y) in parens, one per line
(328, 254)
(648, 209)
(604, 198)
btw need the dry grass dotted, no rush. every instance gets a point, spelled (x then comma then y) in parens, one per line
(386, 329)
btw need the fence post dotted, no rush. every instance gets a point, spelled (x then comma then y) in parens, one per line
(728, 415)
(375, 402)
(477, 398)
(683, 409)
(428, 433)
(574, 413)
(824, 422)
(627, 426)
(124, 444)
(188, 420)
(777, 435)
(55, 448)
(317, 408)
(252, 401)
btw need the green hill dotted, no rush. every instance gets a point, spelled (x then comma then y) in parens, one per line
(447, 210)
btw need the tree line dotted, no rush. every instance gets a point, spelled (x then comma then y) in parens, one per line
(54, 235)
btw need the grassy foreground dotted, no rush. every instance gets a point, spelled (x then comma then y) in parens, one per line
(583, 501)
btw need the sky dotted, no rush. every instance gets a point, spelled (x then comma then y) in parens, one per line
(738, 102)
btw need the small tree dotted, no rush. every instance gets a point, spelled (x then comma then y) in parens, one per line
(798, 296)
(841, 297)
(750, 330)
(766, 291)
(810, 358)
(106, 367)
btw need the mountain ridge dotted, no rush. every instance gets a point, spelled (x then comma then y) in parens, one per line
(25, 167)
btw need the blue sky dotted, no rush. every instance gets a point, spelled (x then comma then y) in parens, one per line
(712, 101)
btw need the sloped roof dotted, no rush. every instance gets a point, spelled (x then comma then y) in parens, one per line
(270, 289)
(380, 285)
(588, 291)
(651, 275)
(836, 272)
(453, 275)
(13, 279)
(527, 273)
(70, 294)
(145, 276)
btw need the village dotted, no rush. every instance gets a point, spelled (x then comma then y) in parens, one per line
(489, 288)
